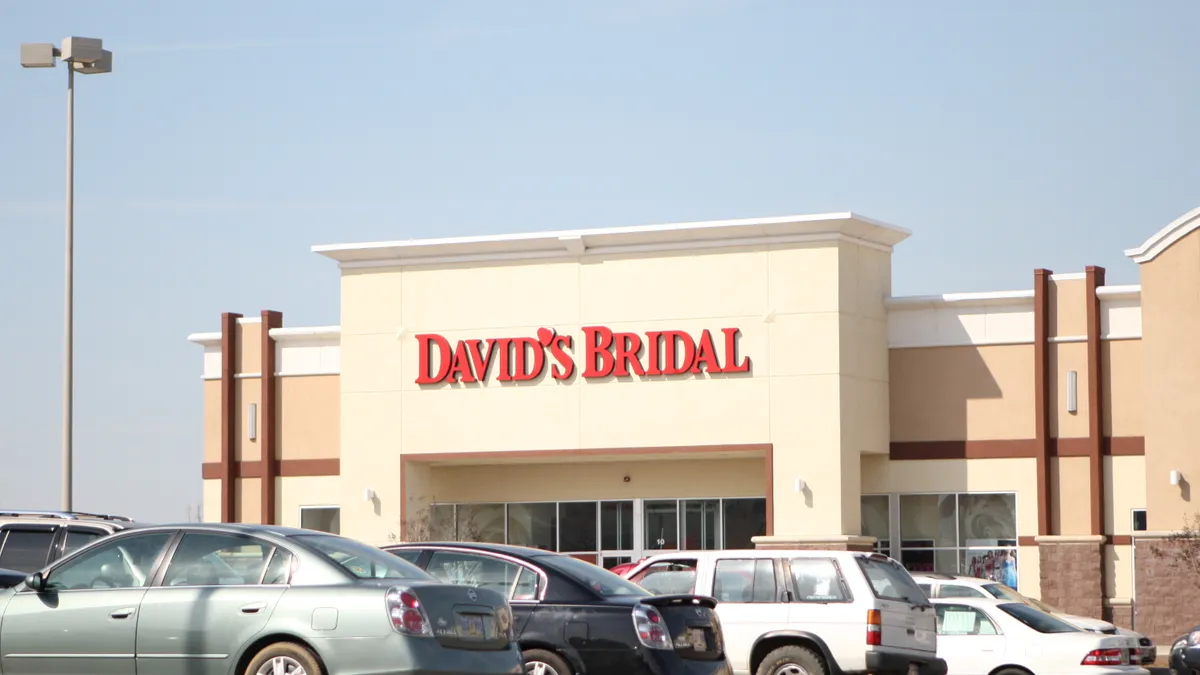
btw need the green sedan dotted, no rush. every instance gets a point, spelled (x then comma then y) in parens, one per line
(209, 599)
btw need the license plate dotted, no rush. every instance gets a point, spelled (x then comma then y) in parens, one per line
(699, 641)
(470, 625)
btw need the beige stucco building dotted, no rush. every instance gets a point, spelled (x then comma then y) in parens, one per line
(611, 393)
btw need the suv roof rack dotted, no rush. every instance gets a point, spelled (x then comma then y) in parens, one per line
(65, 515)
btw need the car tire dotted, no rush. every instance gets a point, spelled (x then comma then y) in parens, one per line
(296, 659)
(792, 660)
(542, 662)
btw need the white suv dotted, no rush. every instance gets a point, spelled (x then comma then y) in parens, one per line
(813, 612)
(940, 585)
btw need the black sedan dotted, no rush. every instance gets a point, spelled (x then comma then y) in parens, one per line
(10, 578)
(572, 616)
(1185, 653)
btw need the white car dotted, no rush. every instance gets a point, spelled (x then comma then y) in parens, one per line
(942, 586)
(784, 612)
(982, 636)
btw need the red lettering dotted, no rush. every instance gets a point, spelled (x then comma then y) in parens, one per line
(654, 353)
(731, 364)
(503, 346)
(424, 374)
(672, 363)
(523, 345)
(461, 367)
(480, 361)
(628, 345)
(566, 365)
(706, 354)
(597, 340)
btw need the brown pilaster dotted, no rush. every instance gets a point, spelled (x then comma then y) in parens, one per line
(1095, 381)
(1041, 395)
(228, 415)
(267, 418)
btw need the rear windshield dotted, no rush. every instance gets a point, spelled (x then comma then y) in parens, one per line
(360, 560)
(1037, 619)
(600, 580)
(1004, 593)
(890, 581)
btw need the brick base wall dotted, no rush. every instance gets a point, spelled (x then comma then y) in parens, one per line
(1071, 577)
(1167, 594)
(1119, 615)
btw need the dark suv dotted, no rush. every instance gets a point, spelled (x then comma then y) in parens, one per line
(30, 540)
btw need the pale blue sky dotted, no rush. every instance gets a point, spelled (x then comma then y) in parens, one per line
(233, 135)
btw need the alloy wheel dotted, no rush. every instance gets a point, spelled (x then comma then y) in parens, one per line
(790, 669)
(539, 668)
(282, 665)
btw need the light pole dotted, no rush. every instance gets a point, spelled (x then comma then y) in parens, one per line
(87, 56)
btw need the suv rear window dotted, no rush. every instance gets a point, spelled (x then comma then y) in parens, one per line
(890, 581)
(26, 550)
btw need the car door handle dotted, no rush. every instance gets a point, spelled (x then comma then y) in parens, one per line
(124, 613)
(912, 631)
(253, 608)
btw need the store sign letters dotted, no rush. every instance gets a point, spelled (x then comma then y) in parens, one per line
(606, 353)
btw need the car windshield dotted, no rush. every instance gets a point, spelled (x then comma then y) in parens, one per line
(364, 562)
(1037, 619)
(600, 580)
(1004, 593)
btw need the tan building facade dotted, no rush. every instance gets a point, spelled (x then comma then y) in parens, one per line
(619, 392)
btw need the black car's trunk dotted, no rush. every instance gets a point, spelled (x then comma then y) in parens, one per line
(692, 624)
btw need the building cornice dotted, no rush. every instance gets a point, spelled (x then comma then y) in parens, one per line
(1166, 237)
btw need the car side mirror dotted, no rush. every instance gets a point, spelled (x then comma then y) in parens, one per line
(35, 582)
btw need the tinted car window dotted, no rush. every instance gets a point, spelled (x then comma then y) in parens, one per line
(216, 560)
(26, 550)
(77, 539)
(817, 580)
(473, 569)
(360, 560)
(1037, 619)
(125, 562)
(890, 581)
(599, 580)
(279, 570)
(1004, 593)
(959, 591)
(409, 554)
(747, 580)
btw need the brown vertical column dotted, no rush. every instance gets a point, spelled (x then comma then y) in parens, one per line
(1041, 395)
(1095, 393)
(267, 417)
(229, 348)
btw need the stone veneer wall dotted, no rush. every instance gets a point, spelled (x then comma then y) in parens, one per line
(1167, 593)
(1071, 574)
(1119, 615)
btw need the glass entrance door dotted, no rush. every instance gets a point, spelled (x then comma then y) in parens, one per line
(619, 532)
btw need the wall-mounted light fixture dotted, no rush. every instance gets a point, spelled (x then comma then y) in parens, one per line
(252, 421)
(368, 495)
(1176, 478)
(799, 485)
(1072, 391)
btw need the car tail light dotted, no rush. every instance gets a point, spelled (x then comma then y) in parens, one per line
(504, 621)
(650, 627)
(1102, 657)
(407, 614)
(874, 628)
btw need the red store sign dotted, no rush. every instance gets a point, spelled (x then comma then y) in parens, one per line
(605, 353)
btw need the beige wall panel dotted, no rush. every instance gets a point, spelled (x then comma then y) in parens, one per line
(1170, 324)
(211, 500)
(666, 479)
(249, 500)
(475, 420)
(370, 458)
(296, 491)
(309, 417)
(248, 391)
(1118, 578)
(374, 362)
(1068, 308)
(962, 393)
(1124, 388)
(1071, 510)
(371, 302)
(538, 294)
(799, 280)
(249, 348)
(1065, 357)
(1124, 490)
(212, 420)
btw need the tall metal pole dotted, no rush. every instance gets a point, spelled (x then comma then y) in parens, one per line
(69, 303)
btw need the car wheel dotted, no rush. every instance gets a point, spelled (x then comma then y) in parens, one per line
(284, 658)
(542, 662)
(792, 660)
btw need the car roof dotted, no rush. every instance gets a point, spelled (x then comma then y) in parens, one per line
(977, 602)
(758, 553)
(32, 516)
(943, 576)
(230, 528)
(502, 549)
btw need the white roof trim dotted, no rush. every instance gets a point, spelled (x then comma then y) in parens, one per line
(1164, 238)
(610, 241)
(1069, 276)
(307, 333)
(986, 299)
(1130, 292)
(206, 339)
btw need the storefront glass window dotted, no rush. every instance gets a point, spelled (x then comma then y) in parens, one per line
(616, 526)
(534, 525)
(877, 521)
(973, 534)
(481, 523)
(577, 526)
(662, 525)
(744, 519)
(321, 518)
(441, 523)
(701, 523)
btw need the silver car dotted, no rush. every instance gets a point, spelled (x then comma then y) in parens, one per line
(248, 600)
